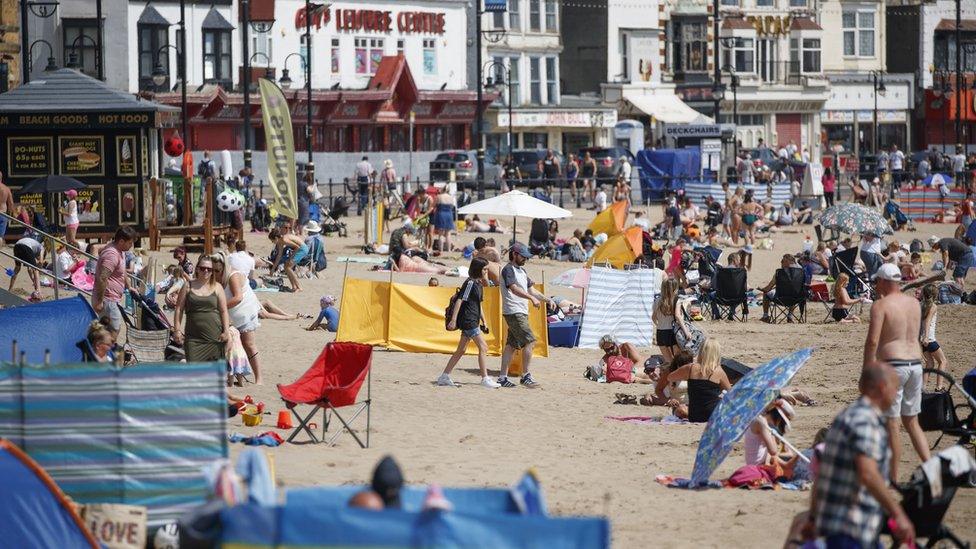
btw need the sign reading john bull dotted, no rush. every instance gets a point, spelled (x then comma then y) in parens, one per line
(280, 147)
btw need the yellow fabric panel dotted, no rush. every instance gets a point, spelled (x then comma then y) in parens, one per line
(364, 310)
(611, 220)
(619, 250)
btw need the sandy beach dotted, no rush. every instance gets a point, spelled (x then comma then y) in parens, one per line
(471, 436)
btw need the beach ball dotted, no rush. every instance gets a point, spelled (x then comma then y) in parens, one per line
(230, 201)
(174, 146)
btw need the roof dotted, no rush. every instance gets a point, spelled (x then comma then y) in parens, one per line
(67, 90)
(152, 17)
(950, 25)
(393, 75)
(215, 21)
(805, 23)
(736, 23)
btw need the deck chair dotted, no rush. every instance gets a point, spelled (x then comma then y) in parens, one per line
(790, 297)
(820, 293)
(153, 345)
(333, 382)
(730, 294)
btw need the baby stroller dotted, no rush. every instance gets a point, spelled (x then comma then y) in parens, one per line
(896, 217)
(330, 222)
(940, 413)
(261, 218)
(339, 207)
(539, 242)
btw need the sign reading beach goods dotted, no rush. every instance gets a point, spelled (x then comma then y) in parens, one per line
(82, 155)
(693, 130)
(357, 20)
(29, 156)
(68, 121)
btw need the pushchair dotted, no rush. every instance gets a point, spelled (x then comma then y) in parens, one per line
(329, 220)
(896, 217)
(539, 242)
(261, 218)
(940, 413)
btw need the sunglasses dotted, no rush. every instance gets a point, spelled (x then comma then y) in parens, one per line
(205, 269)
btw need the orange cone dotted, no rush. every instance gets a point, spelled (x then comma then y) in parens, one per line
(284, 420)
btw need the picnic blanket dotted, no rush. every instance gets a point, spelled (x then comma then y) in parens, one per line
(367, 260)
(685, 484)
(648, 420)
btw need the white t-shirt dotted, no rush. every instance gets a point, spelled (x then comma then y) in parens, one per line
(958, 162)
(241, 262)
(897, 160)
(643, 223)
(511, 303)
(600, 201)
(72, 216)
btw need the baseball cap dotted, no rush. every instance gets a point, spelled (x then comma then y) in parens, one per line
(521, 249)
(888, 271)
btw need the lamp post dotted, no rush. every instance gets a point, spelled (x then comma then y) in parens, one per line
(718, 71)
(74, 63)
(310, 166)
(52, 64)
(958, 71)
(261, 27)
(479, 118)
(877, 79)
(940, 85)
(734, 84)
(503, 77)
(42, 10)
(285, 82)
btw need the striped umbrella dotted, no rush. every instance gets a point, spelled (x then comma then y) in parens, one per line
(855, 219)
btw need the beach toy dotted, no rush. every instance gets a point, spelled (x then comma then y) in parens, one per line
(230, 201)
(251, 420)
(9, 271)
(249, 409)
(249, 399)
(260, 406)
(284, 420)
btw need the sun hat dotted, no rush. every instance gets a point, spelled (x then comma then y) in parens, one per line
(933, 240)
(313, 227)
(327, 301)
(747, 249)
(888, 271)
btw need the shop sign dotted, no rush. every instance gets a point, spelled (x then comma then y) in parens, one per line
(29, 156)
(842, 117)
(34, 200)
(771, 25)
(692, 130)
(128, 204)
(359, 20)
(711, 146)
(82, 155)
(125, 155)
(91, 204)
(563, 119)
(68, 121)
(780, 106)
(883, 116)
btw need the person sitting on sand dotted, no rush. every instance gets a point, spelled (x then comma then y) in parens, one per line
(611, 347)
(299, 251)
(402, 242)
(842, 301)
(913, 269)
(329, 314)
(670, 393)
(485, 249)
(101, 341)
(760, 446)
(706, 381)
(572, 249)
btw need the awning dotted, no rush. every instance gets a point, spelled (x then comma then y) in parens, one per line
(664, 108)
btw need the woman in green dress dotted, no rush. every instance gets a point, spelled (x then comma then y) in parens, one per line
(205, 306)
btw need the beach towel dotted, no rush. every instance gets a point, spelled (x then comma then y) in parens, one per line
(368, 260)
(237, 361)
(648, 420)
(685, 484)
(254, 470)
(269, 438)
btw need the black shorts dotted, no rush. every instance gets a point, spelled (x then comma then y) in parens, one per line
(24, 253)
(665, 338)
(931, 347)
(839, 314)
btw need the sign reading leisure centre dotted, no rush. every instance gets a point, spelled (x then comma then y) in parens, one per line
(360, 20)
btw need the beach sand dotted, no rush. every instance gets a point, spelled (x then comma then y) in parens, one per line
(471, 436)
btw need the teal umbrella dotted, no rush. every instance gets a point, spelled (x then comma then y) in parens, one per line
(855, 219)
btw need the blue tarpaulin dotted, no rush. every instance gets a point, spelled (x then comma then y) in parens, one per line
(471, 500)
(56, 326)
(666, 170)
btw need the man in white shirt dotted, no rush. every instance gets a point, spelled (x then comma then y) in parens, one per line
(516, 292)
(642, 222)
(600, 201)
(242, 261)
(959, 165)
(783, 153)
(362, 172)
(897, 162)
(625, 169)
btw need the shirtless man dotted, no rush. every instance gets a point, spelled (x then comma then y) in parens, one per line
(485, 249)
(299, 251)
(893, 338)
(6, 206)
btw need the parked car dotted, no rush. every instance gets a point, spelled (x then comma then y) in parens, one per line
(607, 161)
(463, 163)
(528, 162)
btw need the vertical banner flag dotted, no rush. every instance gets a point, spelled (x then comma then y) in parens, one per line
(280, 144)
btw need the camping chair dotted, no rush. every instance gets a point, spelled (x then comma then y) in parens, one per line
(844, 262)
(820, 293)
(730, 294)
(148, 345)
(790, 296)
(540, 243)
(331, 383)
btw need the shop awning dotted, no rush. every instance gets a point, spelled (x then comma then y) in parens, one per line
(664, 108)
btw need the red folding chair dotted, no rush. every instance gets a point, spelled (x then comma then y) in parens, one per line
(331, 383)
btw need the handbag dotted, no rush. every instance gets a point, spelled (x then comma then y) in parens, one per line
(691, 344)
(620, 369)
(938, 412)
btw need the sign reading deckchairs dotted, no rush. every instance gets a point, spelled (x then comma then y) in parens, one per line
(408, 317)
(137, 436)
(619, 303)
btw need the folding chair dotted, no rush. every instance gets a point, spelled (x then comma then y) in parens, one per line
(730, 294)
(331, 383)
(820, 293)
(145, 345)
(790, 296)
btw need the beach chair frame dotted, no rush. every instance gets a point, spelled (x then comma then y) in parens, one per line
(785, 306)
(729, 300)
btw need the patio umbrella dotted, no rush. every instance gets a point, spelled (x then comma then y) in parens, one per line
(572, 278)
(937, 179)
(52, 184)
(855, 219)
(515, 204)
(742, 404)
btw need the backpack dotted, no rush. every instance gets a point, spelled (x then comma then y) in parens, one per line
(450, 308)
(620, 369)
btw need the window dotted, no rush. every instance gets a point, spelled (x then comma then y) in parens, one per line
(514, 17)
(551, 16)
(811, 55)
(152, 39)
(764, 3)
(624, 57)
(945, 50)
(690, 50)
(498, 19)
(535, 83)
(81, 38)
(430, 56)
(261, 51)
(858, 29)
(552, 81)
(369, 53)
(535, 15)
(798, 3)
(742, 55)
(744, 119)
(401, 45)
(513, 80)
(335, 56)
(216, 57)
(730, 2)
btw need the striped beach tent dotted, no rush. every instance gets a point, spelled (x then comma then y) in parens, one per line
(924, 203)
(619, 303)
(137, 436)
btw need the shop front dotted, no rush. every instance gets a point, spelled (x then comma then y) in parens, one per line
(566, 130)
(847, 121)
(939, 129)
(69, 124)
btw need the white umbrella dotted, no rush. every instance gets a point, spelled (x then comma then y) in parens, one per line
(515, 204)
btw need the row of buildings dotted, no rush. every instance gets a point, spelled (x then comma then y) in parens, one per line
(390, 75)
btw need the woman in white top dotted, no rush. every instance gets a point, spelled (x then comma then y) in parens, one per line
(760, 445)
(243, 308)
(70, 215)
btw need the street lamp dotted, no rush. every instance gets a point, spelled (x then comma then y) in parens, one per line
(734, 83)
(52, 64)
(285, 81)
(73, 62)
(503, 77)
(877, 78)
(260, 27)
(43, 10)
(159, 72)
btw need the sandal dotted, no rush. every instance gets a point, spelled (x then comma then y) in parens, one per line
(624, 398)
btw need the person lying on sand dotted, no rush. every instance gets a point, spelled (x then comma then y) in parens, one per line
(611, 347)
(670, 393)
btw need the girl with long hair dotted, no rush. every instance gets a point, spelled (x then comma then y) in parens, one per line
(706, 381)
(663, 317)
(931, 350)
(467, 317)
(842, 301)
(243, 310)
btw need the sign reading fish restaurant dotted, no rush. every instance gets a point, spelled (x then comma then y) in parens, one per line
(281, 147)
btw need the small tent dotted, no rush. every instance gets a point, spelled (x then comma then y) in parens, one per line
(620, 249)
(611, 220)
(55, 326)
(35, 511)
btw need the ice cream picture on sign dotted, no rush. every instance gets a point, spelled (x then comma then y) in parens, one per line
(81, 156)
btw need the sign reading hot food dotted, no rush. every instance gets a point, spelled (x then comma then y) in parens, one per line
(356, 20)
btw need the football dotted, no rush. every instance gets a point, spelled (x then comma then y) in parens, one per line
(230, 201)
